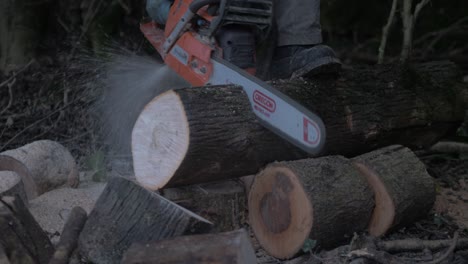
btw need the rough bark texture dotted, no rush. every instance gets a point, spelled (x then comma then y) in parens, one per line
(49, 163)
(69, 237)
(126, 213)
(222, 203)
(323, 199)
(407, 182)
(223, 248)
(365, 108)
(21, 236)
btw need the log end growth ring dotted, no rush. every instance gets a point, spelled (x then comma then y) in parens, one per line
(280, 211)
(161, 134)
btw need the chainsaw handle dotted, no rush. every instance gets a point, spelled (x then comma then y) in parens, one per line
(197, 4)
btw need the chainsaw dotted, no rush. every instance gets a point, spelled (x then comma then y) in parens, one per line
(212, 42)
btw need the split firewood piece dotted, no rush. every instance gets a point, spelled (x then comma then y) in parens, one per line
(222, 203)
(126, 213)
(324, 199)
(404, 191)
(20, 235)
(16, 179)
(50, 164)
(191, 136)
(223, 248)
(11, 185)
(69, 237)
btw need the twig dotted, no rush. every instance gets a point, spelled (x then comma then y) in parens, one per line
(7, 81)
(418, 8)
(418, 245)
(10, 94)
(407, 19)
(448, 252)
(385, 30)
(450, 147)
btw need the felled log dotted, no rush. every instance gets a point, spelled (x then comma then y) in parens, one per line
(223, 248)
(126, 213)
(196, 135)
(22, 238)
(404, 191)
(16, 179)
(324, 199)
(69, 237)
(50, 164)
(328, 199)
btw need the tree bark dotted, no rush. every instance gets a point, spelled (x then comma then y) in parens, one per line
(324, 199)
(49, 163)
(404, 191)
(190, 136)
(21, 236)
(223, 248)
(126, 213)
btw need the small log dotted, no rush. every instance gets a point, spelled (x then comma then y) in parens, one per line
(8, 165)
(126, 213)
(50, 164)
(324, 199)
(69, 237)
(404, 191)
(223, 248)
(21, 236)
(190, 136)
(222, 203)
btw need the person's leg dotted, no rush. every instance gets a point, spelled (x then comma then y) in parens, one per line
(298, 22)
(299, 51)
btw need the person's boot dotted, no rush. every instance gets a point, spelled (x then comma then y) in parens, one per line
(303, 61)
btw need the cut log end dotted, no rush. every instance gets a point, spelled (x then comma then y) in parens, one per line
(384, 210)
(280, 211)
(161, 135)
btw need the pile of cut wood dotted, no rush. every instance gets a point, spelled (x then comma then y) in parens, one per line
(191, 199)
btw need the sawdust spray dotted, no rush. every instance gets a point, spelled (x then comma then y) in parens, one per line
(128, 82)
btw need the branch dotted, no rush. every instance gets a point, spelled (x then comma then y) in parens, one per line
(7, 81)
(418, 8)
(407, 19)
(448, 252)
(385, 30)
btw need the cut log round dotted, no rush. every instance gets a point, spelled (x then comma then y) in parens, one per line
(196, 135)
(50, 164)
(223, 248)
(324, 199)
(403, 189)
(126, 213)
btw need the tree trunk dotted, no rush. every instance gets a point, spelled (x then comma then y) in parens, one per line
(21, 28)
(323, 199)
(223, 248)
(204, 134)
(404, 191)
(21, 236)
(50, 164)
(126, 213)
